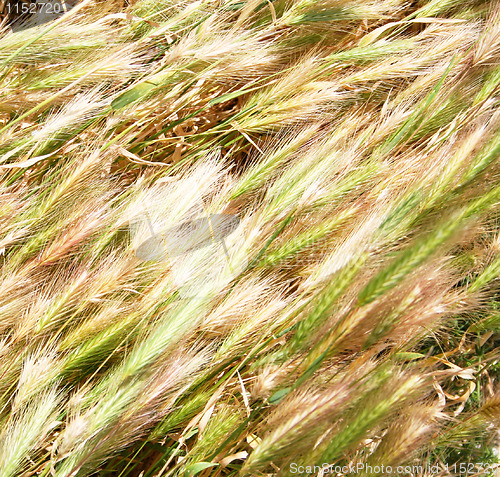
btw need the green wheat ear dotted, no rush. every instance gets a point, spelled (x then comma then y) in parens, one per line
(315, 278)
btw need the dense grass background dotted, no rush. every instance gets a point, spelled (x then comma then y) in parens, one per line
(357, 318)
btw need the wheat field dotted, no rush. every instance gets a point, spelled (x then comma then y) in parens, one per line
(250, 238)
